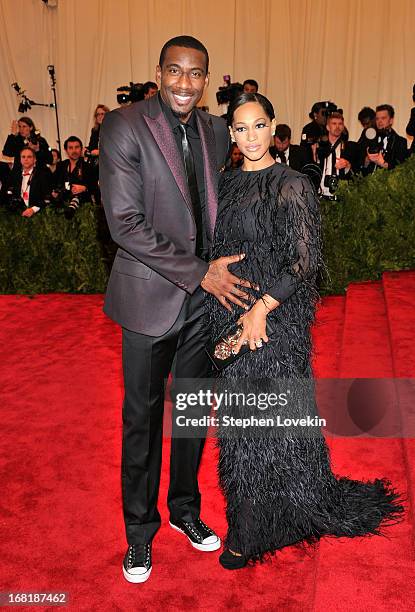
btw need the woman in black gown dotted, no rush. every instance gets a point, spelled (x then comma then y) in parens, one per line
(279, 490)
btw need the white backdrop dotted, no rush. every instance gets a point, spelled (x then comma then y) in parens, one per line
(355, 53)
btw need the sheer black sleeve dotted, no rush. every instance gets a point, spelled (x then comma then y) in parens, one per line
(302, 237)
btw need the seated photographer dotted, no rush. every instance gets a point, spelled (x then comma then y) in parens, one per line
(410, 128)
(286, 153)
(73, 181)
(24, 134)
(27, 189)
(4, 177)
(56, 157)
(383, 147)
(337, 156)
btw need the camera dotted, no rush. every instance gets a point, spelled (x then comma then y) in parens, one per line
(373, 137)
(331, 181)
(65, 201)
(130, 93)
(72, 207)
(326, 108)
(34, 138)
(229, 91)
(89, 158)
(15, 202)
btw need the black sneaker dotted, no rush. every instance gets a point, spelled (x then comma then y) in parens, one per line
(137, 563)
(199, 534)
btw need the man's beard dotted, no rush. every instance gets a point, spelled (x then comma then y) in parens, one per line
(181, 114)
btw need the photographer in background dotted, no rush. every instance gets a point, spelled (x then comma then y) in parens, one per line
(250, 86)
(56, 157)
(386, 149)
(93, 146)
(367, 119)
(315, 130)
(27, 189)
(410, 128)
(73, 181)
(234, 160)
(91, 153)
(4, 177)
(337, 157)
(286, 153)
(149, 89)
(24, 134)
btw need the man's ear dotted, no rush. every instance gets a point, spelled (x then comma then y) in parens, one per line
(231, 133)
(158, 75)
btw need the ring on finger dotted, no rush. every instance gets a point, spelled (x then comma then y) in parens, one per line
(258, 343)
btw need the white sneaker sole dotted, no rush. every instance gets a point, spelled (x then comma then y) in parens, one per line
(203, 547)
(136, 578)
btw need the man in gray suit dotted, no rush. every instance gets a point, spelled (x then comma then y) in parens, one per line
(159, 163)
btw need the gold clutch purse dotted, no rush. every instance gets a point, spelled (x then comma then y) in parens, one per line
(220, 351)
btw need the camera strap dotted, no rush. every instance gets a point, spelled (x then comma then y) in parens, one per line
(25, 193)
(334, 156)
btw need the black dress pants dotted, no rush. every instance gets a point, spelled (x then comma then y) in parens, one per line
(147, 361)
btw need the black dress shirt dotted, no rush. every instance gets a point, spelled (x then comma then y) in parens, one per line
(196, 146)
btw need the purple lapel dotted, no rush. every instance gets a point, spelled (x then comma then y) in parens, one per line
(207, 139)
(164, 138)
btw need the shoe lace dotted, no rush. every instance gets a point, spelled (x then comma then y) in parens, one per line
(139, 555)
(200, 523)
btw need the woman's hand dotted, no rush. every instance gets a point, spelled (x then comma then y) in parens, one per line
(254, 324)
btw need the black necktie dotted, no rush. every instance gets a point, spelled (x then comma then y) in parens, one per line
(194, 191)
(282, 157)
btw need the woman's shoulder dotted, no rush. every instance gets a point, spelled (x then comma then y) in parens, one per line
(293, 181)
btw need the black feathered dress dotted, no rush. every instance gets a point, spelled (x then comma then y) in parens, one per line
(281, 490)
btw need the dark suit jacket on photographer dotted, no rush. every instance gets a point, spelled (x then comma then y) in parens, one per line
(40, 183)
(82, 174)
(15, 143)
(4, 177)
(298, 156)
(311, 133)
(410, 130)
(348, 150)
(395, 152)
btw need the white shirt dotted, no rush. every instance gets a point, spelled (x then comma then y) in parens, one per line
(287, 156)
(327, 170)
(25, 190)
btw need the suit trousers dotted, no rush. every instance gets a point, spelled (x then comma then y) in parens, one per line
(147, 362)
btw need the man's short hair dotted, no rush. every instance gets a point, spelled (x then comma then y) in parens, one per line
(251, 82)
(283, 131)
(184, 41)
(335, 115)
(27, 149)
(147, 86)
(388, 108)
(71, 139)
(366, 113)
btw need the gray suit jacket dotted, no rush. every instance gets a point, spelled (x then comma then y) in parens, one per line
(149, 213)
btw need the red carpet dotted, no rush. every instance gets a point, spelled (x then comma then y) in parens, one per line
(61, 516)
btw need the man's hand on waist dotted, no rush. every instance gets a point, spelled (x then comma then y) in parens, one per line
(223, 284)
